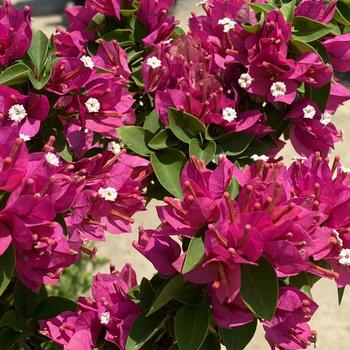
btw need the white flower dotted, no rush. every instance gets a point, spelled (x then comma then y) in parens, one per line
(325, 118)
(262, 157)
(309, 112)
(228, 24)
(105, 317)
(345, 170)
(202, 2)
(93, 105)
(167, 42)
(108, 193)
(114, 147)
(154, 62)
(17, 113)
(337, 236)
(52, 159)
(229, 114)
(88, 62)
(278, 89)
(245, 80)
(344, 257)
(24, 137)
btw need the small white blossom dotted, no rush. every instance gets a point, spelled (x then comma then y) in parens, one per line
(262, 157)
(167, 42)
(344, 257)
(202, 2)
(278, 89)
(24, 137)
(228, 24)
(309, 112)
(52, 159)
(154, 62)
(245, 80)
(325, 118)
(114, 147)
(105, 318)
(337, 236)
(229, 114)
(17, 113)
(88, 62)
(93, 105)
(108, 193)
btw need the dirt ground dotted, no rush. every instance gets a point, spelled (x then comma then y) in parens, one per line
(331, 322)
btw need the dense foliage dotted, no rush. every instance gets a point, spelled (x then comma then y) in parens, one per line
(123, 107)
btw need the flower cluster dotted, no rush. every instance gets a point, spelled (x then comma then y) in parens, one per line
(110, 310)
(292, 217)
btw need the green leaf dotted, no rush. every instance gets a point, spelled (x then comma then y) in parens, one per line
(7, 266)
(211, 342)
(308, 30)
(152, 122)
(190, 295)
(146, 294)
(238, 338)
(13, 75)
(288, 10)
(259, 288)
(52, 306)
(164, 139)
(342, 13)
(168, 167)
(8, 338)
(134, 294)
(38, 51)
(11, 319)
(255, 28)
(319, 95)
(194, 254)
(304, 281)
(235, 143)
(191, 326)
(96, 21)
(205, 152)
(143, 329)
(136, 138)
(260, 7)
(121, 35)
(168, 293)
(185, 126)
(178, 31)
(233, 188)
(340, 295)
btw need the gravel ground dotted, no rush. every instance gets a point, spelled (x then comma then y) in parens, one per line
(331, 322)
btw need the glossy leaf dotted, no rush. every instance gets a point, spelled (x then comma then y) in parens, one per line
(233, 188)
(319, 95)
(136, 138)
(13, 75)
(288, 10)
(168, 293)
(194, 254)
(7, 267)
(211, 342)
(164, 139)
(191, 326)
(205, 152)
(11, 319)
(259, 288)
(341, 292)
(238, 338)
(38, 51)
(261, 7)
(235, 143)
(8, 338)
(143, 329)
(342, 13)
(185, 126)
(52, 306)
(152, 122)
(255, 28)
(167, 166)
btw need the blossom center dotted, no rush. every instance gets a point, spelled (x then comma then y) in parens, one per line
(325, 118)
(88, 62)
(24, 137)
(229, 114)
(52, 159)
(309, 112)
(93, 105)
(105, 318)
(228, 24)
(114, 147)
(278, 89)
(154, 62)
(257, 157)
(245, 80)
(17, 113)
(344, 257)
(108, 193)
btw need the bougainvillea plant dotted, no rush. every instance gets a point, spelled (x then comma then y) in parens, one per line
(122, 107)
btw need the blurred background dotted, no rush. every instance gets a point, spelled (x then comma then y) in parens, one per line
(331, 321)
